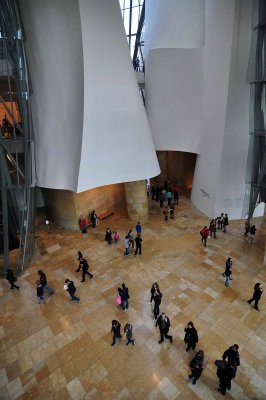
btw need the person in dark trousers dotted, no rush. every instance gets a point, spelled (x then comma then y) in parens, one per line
(191, 336)
(225, 376)
(138, 229)
(196, 366)
(258, 290)
(164, 324)
(71, 289)
(232, 355)
(228, 264)
(157, 298)
(251, 233)
(129, 335)
(108, 236)
(204, 235)
(138, 242)
(43, 280)
(172, 211)
(154, 287)
(124, 297)
(93, 218)
(227, 273)
(11, 278)
(131, 238)
(161, 199)
(39, 290)
(220, 221)
(83, 264)
(116, 331)
(225, 222)
(212, 228)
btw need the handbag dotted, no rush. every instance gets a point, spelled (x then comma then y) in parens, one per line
(118, 299)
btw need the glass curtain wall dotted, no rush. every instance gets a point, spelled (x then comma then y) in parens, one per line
(256, 162)
(17, 174)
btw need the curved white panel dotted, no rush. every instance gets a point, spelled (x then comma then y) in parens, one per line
(174, 94)
(54, 53)
(117, 145)
(174, 24)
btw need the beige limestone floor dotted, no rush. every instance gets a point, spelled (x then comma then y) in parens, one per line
(61, 350)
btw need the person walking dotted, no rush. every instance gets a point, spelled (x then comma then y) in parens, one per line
(258, 290)
(124, 297)
(204, 235)
(172, 211)
(115, 330)
(196, 366)
(85, 267)
(43, 280)
(232, 355)
(228, 264)
(228, 271)
(126, 244)
(247, 227)
(191, 336)
(166, 213)
(129, 335)
(116, 237)
(154, 287)
(212, 228)
(138, 229)
(138, 242)
(11, 278)
(40, 296)
(220, 221)
(164, 324)
(157, 298)
(79, 256)
(71, 289)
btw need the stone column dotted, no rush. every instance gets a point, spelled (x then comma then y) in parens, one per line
(137, 200)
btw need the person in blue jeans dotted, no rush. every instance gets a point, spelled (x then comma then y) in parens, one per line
(227, 273)
(43, 280)
(70, 288)
(128, 331)
(39, 291)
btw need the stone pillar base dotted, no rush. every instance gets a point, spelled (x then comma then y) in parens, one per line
(137, 201)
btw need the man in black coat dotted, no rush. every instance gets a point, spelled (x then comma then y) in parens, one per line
(164, 324)
(232, 355)
(258, 290)
(138, 241)
(124, 296)
(116, 331)
(226, 375)
(83, 264)
(191, 336)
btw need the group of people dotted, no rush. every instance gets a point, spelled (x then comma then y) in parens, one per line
(165, 193)
(129, 242)
(8, 130)
(219, 223)
(92, 220)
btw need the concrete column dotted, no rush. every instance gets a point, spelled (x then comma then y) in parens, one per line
(163, 161)
(136, 200)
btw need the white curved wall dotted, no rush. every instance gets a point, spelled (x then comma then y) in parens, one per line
(117, 145)
(89, 121)
(174, 24)
(54, 54)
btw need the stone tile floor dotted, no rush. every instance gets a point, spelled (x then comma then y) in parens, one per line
(61, 350)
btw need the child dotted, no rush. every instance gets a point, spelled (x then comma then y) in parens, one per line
(165, 213)
(40, 293)
(116, 236)
(128, 331)
(172, 211)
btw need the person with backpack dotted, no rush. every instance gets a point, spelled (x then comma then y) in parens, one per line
(191, 336)
(11, 278)
(71, 289)
(196, 366)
